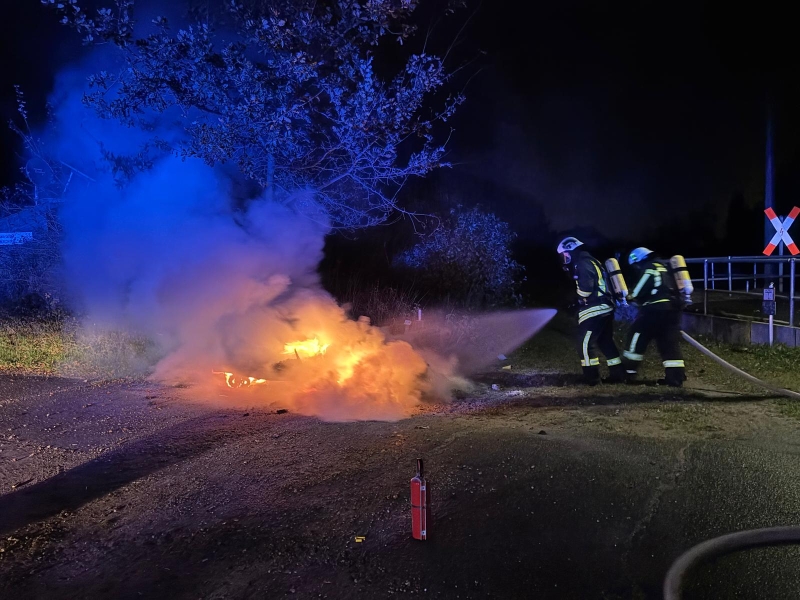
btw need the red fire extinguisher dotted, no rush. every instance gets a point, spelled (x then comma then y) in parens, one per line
(420, 504)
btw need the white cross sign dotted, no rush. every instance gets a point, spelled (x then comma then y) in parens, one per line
(15, 237)
(782, 231)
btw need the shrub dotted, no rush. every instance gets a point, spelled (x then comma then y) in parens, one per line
(467, 260)
(381, 303)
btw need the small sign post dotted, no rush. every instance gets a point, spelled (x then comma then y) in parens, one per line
(15, 237)
(768, 308)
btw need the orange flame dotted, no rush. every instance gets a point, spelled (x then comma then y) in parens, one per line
(344, 364)
(305, 348)
(347, 364)
(238, 382)
(339, 370)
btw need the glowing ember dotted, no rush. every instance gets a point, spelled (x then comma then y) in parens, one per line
(238, 382)
(306, 348)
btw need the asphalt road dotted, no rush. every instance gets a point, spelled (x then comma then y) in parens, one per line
(126, 490)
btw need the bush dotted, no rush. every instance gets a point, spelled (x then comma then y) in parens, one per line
(467, 260)
(381, 303)
(27, 285)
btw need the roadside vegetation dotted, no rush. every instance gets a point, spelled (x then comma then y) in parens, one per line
(33, 346)
(57, 346)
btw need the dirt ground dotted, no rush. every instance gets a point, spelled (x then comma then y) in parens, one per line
(540, 489)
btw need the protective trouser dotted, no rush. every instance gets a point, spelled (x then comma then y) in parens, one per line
(597, 331)
(663, 326)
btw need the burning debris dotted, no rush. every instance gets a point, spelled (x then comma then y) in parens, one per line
(346, 370)
(237, 382)
(351, 370)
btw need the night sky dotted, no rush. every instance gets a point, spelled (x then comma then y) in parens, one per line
(617, 117)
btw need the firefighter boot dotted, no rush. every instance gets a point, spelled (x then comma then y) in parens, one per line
(616, 374)
(673, 377)
(632, 375)
(591, 375)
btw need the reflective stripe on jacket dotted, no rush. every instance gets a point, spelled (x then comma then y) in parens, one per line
(656, 286)
(590, 280)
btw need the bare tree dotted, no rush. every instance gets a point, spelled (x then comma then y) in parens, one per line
(289, 90)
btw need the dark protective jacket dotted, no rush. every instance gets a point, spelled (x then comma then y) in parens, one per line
(656, 288)
(592, 288)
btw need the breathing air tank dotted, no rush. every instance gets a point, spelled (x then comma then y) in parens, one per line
(617, 280)
(682, 279)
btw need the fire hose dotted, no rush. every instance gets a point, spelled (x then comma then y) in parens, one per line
(719, 546)
(732, 542)
(738, 371)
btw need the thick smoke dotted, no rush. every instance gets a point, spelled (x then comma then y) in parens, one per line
(224, 282)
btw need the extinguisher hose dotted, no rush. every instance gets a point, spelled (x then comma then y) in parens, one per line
(719, 546)
(738, 371)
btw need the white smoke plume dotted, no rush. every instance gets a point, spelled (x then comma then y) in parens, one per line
(225, 282)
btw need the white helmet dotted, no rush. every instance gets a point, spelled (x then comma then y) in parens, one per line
(638, 254)
(569, 244)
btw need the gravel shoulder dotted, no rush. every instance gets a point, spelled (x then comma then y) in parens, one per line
(539, 489)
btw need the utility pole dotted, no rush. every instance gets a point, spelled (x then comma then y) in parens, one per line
(769, 175)
(769, 195)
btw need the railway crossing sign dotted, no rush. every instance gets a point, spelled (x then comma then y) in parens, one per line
(781, 231)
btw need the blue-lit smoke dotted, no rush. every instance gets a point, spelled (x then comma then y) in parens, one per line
(132, 248)
(219, 277)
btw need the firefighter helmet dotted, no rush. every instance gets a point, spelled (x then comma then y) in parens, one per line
(638, 255)
(568, 244)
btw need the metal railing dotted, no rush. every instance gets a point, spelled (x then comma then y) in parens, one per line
(736, 273)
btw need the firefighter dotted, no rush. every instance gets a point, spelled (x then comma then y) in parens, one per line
(660, 306)
(595, 312)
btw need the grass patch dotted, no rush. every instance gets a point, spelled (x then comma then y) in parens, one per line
(33, 346)
(62, 347)
(788, 408)
(778, 365)
(101, 354)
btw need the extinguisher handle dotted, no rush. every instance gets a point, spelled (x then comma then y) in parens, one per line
(419, 468)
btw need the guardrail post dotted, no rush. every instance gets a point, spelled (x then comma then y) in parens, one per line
(730, 276)
(755, 275)
(705, 286)
(713, 277)
(791, 292)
